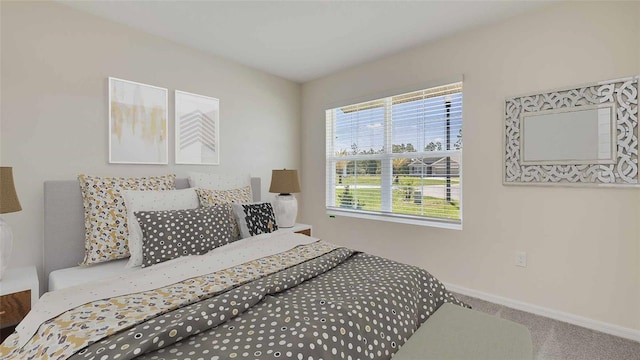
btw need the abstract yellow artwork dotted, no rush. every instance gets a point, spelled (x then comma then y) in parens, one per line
(137, 123)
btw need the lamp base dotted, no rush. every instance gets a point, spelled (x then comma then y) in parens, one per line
(285, 207)
(6, 245)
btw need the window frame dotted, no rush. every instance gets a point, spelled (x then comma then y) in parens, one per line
(386, 158)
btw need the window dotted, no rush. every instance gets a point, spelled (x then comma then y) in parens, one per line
(398, 158)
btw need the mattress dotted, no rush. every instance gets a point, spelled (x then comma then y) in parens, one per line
(65, 278)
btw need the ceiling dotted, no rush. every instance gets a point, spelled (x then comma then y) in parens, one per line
(304, 40)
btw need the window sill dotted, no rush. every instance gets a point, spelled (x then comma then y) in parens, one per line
(397, 218)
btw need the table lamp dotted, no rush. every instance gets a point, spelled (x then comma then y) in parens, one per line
(285, 182)
(8, 203)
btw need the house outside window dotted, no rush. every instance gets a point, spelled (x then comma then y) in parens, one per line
(398, 158)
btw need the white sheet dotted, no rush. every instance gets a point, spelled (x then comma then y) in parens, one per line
(65, 278)
(55, 303)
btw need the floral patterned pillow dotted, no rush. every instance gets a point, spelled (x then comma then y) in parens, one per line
(213, 197)
(255, 218)
(226, 197)
(105, 215)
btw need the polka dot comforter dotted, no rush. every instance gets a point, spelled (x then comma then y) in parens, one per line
(339, 305)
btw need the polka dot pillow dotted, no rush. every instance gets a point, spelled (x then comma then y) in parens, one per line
(173, 233)
(150, 200)
(241, 195)
(255, 218)
(105, 214)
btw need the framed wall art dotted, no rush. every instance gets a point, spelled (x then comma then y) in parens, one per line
(137, 123)
(585, 135)
(197, 129)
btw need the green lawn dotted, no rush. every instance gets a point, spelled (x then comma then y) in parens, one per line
(403, 203)
(402, 180)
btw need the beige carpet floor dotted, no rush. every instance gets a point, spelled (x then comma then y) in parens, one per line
(556, 340)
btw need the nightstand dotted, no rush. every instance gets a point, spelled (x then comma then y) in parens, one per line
(303, 229)
(19, 290)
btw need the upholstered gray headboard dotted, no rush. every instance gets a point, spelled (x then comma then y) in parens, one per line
(64, 231)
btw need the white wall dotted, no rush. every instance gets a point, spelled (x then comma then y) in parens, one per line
(55, 64)
(583, 244)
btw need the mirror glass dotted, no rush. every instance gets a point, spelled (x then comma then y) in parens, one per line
(568, 137)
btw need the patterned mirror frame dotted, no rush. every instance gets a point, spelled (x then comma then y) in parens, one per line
(623, 93)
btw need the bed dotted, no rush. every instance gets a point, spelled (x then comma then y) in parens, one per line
(271, 295)
(64, 234)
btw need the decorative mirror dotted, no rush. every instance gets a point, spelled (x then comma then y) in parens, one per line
(577, 136)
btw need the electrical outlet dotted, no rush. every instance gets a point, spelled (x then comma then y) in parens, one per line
(521, 258)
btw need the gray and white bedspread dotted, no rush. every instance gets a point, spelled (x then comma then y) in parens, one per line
(336, 304)
(342, 305)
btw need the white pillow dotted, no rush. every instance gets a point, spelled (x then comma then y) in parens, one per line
(218, 182)
(151, 200)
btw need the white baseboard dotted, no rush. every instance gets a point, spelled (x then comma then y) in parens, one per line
(601, 326)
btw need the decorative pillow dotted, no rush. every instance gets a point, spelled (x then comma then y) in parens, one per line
(174, 233)
(255, 218)
(219, 182)
(152, 201)
(105, 218)
(215, 197)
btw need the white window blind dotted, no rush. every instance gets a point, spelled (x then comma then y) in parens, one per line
(397, 158)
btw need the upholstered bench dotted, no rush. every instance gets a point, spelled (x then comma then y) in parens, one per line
(457, 333)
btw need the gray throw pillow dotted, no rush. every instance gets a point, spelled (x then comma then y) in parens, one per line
(173, 233)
